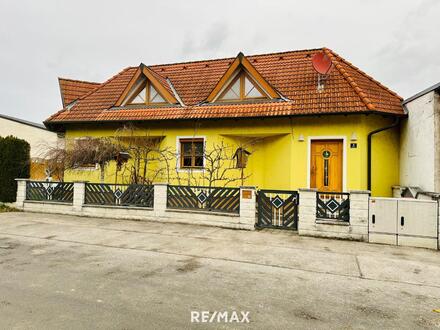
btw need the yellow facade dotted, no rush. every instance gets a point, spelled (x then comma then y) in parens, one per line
(280, 149)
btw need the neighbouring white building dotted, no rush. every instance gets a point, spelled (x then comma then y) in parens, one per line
(38, 137)
(420, 141)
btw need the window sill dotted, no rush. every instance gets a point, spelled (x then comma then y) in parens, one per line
(191, 169)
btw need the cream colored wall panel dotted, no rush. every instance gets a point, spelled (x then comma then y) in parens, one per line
(382, 216)
(417, 218)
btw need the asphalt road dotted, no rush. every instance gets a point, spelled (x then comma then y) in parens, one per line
(64, 272)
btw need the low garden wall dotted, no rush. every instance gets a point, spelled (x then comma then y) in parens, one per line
(348, 218)
(353, 216)
(223, 207)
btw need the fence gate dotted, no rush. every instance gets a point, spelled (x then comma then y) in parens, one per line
(278, 209)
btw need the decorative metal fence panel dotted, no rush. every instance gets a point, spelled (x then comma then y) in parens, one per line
(278, 209)
(119, 194)
(204, 198)
(49, 191)
(332, 205)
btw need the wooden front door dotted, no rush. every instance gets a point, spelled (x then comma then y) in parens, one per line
(326, 165)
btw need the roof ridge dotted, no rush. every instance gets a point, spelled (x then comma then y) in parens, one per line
(232, 58)
(350, 80)
(80, 81)
(365, 74)
(159, 75)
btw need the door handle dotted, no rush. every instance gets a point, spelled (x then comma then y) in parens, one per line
(373, 219)
(402, 221)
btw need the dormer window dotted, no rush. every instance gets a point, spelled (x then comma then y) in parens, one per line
(242, 82)
(148, 95)
(241, 88)
(147, 87)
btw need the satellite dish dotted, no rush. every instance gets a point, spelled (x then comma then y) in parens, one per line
(322, 63)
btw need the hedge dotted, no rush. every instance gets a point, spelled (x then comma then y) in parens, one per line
(14, 163)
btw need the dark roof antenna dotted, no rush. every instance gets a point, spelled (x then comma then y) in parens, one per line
(322, 65)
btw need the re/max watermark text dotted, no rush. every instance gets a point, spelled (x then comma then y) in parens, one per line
(219, 317)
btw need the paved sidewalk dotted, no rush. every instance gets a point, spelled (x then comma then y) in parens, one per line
(70, 272)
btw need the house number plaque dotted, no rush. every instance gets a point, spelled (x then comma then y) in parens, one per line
(246, 194)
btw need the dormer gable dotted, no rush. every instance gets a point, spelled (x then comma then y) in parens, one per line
(148, 88)
(242, 82)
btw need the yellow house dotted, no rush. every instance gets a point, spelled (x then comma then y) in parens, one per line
(275, 121)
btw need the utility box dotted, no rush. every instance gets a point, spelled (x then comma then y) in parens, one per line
(417, 223)
(402, 221)
(382, 226)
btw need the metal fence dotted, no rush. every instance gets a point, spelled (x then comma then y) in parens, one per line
(204, 198)
(49, 191)
(333, 205)
(277, 209)
(119, 194)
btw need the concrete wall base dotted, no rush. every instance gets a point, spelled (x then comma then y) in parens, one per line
(245, 219)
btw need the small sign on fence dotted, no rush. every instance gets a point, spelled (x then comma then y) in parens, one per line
(246, 194)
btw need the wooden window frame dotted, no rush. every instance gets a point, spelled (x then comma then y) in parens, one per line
(193, 155)
(242, 76)
(147, 95)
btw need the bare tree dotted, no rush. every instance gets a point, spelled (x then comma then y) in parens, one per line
(219, 168)
(82, 152)
(148, 159)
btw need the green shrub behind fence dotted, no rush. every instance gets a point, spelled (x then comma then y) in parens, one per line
(14, 163)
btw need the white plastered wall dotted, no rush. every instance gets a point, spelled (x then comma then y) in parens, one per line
(418, 147)
(39, 139)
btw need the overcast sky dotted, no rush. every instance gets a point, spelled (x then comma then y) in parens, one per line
(394, 41)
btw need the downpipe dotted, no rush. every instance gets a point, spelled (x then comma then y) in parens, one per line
(370, 135)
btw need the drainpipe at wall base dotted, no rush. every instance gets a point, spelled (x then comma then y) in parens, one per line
(370, 135)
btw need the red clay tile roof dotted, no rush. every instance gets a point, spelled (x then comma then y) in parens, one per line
(72, 90)
(347, 90)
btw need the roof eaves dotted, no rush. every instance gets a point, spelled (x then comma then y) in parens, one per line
(312, 114)
(423, 92)
(22, 121)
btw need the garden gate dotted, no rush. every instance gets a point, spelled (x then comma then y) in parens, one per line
(278, 209)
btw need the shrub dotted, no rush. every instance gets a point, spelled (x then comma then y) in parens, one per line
(14, 163)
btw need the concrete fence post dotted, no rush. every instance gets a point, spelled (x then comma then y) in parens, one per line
(397, 191)
(248, 207)
(160, 198)
(21, 193)
(79, 194)
(306, 210)
(438, 226)
(359, 204)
